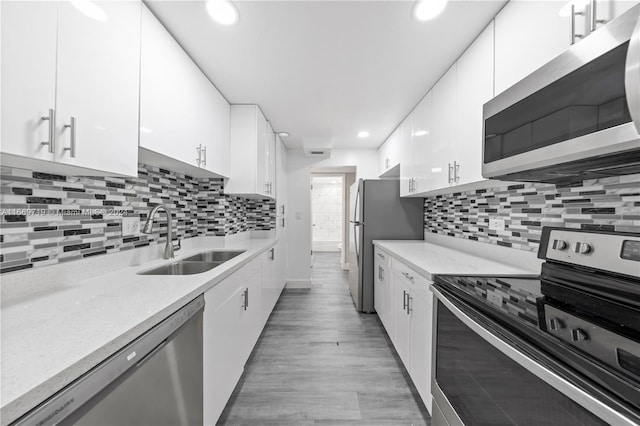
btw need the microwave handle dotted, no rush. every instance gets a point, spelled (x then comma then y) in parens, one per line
(632, 76)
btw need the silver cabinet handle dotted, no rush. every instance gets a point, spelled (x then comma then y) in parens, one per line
(204, 155)
(404, 300)
(72, 137)
(199, 159)
(409, 277)
(245, 299)
(409, 308)
(456, 169)
(282, 222)
(381, 274)
(594, 16)
(272, 254)
(449, 168)
(574, 36)
(381, 256)
(51, 118)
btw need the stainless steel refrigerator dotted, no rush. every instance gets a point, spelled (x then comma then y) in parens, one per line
(378, 213)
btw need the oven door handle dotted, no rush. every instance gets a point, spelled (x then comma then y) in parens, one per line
(632, 76)
(578, 395)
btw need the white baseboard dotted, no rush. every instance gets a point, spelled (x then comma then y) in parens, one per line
(299, 284)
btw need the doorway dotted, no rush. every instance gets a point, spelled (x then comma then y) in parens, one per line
(327, 212)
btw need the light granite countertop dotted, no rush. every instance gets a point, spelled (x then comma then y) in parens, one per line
(51, 338)
(431, 258)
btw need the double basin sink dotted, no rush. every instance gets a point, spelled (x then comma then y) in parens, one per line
(196, 264)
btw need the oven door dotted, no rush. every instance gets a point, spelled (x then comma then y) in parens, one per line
(486, 375)
(580, 111)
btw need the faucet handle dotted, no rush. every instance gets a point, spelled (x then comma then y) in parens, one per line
(178, 246)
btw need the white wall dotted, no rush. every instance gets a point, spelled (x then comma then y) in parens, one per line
(299, 193)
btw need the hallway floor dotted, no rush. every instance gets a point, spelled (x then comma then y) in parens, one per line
(319, 361)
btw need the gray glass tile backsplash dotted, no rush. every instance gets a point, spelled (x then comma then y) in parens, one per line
(611, 203)
(49, 218)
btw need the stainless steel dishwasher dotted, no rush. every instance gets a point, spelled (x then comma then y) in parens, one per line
(155, 380)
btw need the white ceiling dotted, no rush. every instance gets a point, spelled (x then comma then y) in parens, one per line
(327, 68)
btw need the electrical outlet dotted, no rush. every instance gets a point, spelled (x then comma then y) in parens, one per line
(130, 226)
(496, 224)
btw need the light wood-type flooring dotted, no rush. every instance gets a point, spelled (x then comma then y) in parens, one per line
(319, 361)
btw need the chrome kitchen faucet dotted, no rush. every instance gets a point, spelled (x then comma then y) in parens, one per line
(147, 228)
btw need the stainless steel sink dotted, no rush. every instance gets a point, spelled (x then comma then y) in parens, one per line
(214, 256)
(182, 268)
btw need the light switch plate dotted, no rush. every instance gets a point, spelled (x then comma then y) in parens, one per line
(496, 224)
(130, 226)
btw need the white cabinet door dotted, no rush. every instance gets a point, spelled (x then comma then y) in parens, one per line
(383, 156)
(214, 112)
(528, 34)
(270, 159)
(183, 117)
(402, 320)
(427, 169)
(253, 321)
(98, 86)
(249, 172)
(224, 345)
(475, 88)
(441, 154)
(406, 158)
(389, 155)
(269, 283)
(421, 320)
(28, 76)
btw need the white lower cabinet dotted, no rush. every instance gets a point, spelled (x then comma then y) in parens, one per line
(234, 317)
(383, 289)
(408, 308)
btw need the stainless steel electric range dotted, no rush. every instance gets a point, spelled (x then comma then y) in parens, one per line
(561, 348)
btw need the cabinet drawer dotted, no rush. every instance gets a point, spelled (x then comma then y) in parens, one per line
(412, 278)
(383, 258)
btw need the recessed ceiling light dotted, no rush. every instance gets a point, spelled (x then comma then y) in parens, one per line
(420, 132)
(222, 11)
(363, 134)
(90, 9)
(283, 134)
(428, 9)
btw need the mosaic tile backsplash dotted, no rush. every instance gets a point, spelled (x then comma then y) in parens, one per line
(48, 218)
(611, 203)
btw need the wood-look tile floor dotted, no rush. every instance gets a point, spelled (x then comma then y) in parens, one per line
(319, 361)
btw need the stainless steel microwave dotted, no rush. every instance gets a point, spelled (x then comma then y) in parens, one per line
(576, 118)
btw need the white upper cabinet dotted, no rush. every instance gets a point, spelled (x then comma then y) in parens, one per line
(28, 76)
(528, 34)
(98, 87)
(406, 157)
(82, 74)
(251, 148)
(474, 89)
(389, 156)
(184, 120)
(270, 160)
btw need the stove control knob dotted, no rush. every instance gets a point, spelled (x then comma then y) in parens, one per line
(560, 244)
(585, 248)
(579, 335)
(556, 324)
